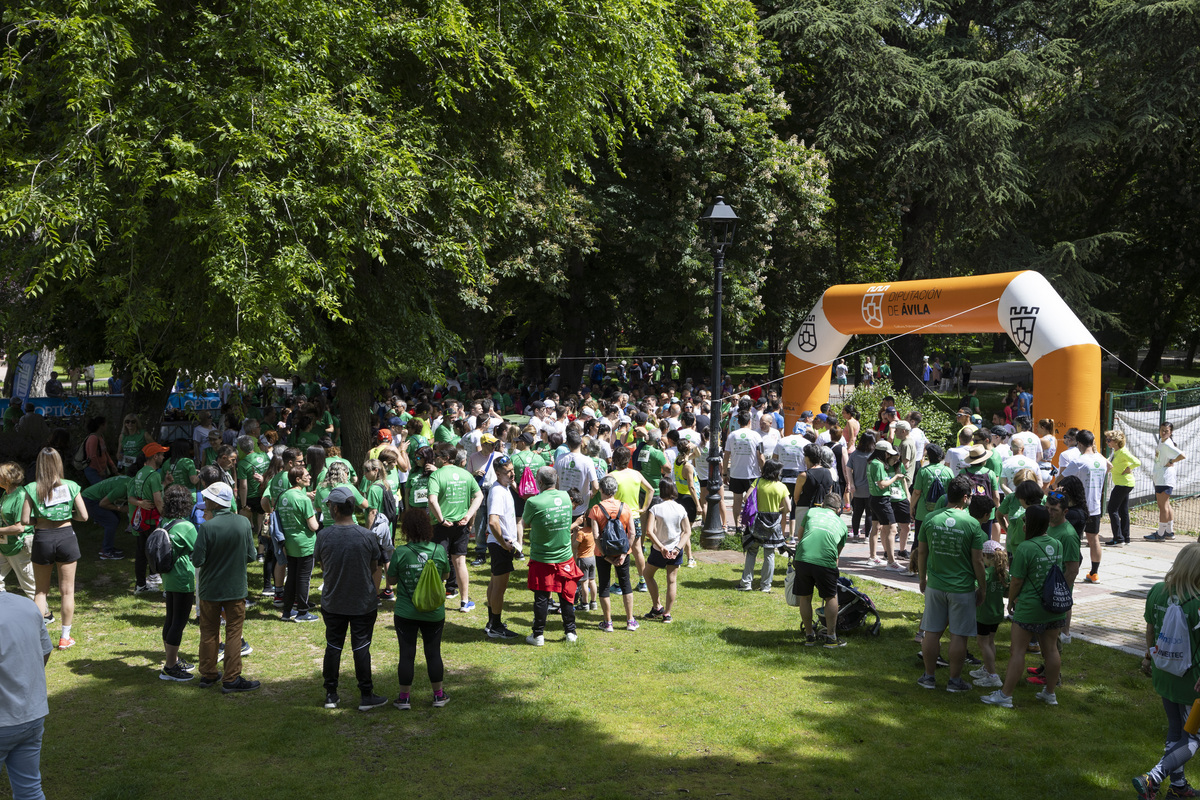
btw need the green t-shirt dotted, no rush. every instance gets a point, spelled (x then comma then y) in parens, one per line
(323, 495)
(1069, 539)
(277, 485)
(375, 492)
(1016, 530)
(418, 489)
(130, 448)
(182, 577)
(877, 471)
(182, 471)
(146, 483)
(923, 482)
(302, 440)
(11, 416)
(11, 506)
(548, 518)
(1176, 688)
(249, 464)
(995, 463)
(293, 509)
(445, 434)
(526, 458)
(651, 461)
(770, 495)
(951, 536)
(337, 460)
(823, 539)
(116, 489)
(405, 570)
(1032, 563)
(415, 443)
(992, 610)
(454, 489)
(61, 505)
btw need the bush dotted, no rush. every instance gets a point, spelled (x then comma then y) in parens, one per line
(937, 423)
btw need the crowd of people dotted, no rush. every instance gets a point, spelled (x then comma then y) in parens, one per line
(597, 492)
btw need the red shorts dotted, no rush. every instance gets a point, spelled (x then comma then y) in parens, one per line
(555, 578)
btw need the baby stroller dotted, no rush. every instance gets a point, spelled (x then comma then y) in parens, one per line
(854, 609)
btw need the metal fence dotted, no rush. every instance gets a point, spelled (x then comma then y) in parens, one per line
(1138, 415)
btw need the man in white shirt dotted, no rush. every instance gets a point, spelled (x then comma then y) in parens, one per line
(770, 436)
(1091, 468)
(916, 435)
(956, 457)
(821, 426)
(577, 472)
(503, 540)
(743, 461)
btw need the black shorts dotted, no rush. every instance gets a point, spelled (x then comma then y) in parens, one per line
(55, 546)
(455, 539)
(810, 576)
(901, 511)
(500, 559)
(689, 505)
(519, 504)
(881, 510)
(657, 559)
(740, 485)
(255, 504)
(1092, 524)
(984, 629)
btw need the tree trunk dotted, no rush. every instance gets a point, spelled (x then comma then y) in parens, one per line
(999, 344)
(148, 403)
(1152, 363)
(354, 399)
(45, 365)
(773, 359)
(1192, 341)
(907, 364)
(534, 354)
(572, 366)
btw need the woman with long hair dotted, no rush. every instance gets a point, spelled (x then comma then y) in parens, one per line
(1178, 692)
(860, 492)
(403, 572)
(51, 503)
(179, 585)
(1166, 456)
(132, 439)
(99, 463)
(1122, 463)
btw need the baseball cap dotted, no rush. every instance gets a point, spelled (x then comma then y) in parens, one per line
(885, 446)
(821, 418)
(218, 493)
(901, 425)
(588, 412)
(340, 495)
(548, 404)
(527, 438)
(396, 422)
(384, 435)
(1000, 430)
(487, 438)
(890, 410)
(806, 415)
(153, 449)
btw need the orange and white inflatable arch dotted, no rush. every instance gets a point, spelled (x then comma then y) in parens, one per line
(1064, 354)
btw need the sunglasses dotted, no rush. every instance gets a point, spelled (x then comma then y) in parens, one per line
(503, 461)
(1057, 496)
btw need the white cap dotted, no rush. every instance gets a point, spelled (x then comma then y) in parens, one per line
(548, 404)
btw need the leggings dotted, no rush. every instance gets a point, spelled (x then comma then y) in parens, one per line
(431, 637)
(604, 569)
(268, 565)
(179, 608)
(295, 589)
(1180, 746)
(860, 506)
(1118, 512)
(139, 557)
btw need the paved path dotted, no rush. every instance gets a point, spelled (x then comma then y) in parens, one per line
(1108, 613)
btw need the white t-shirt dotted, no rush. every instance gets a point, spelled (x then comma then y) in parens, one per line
(790, 452)
(918, 438)
(744, 445)
(842, 371)
(823, 437)
(1066, 457)
(1027, 444)
(669, 519)
(576, 471)
(770, 441)
(473, 440)
(956, 458)
(484, 459)
(692, 436)
(1011, 466)
(1092, 469)
(500, 503)
(1164, 475)
(200, 439)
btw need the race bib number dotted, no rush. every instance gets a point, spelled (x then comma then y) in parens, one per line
(60, 495)
(421, 495)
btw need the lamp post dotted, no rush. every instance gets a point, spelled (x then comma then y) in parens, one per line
(719, 223)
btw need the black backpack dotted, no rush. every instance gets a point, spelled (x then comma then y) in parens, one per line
(614, 539)
(981, 484)
(937, 490)
(388, 506)
(160, 553)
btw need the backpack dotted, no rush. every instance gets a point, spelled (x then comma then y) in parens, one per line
(388, 506)
(981, 484)
(160, 553)
(430, 594)
(80, 460)
(1173, 649)
(528, 485)
(1056, 592)
(750, 507)
(614, 539)
(937, 490)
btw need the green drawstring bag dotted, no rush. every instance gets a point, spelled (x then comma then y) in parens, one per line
(430, 594)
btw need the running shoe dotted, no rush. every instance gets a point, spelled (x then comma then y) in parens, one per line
(402, 703)
(174, 673)
(1153, 537)
(467, 606)
(370, 701)
(145, 589)
(631, 624)
(810, 640)
(1182, 791)
(832, 642)
(615, 589)
(958, 685)
(503, 632)
(1145, 787)
(667, 618)
(479, 562)
(927, 682)
(653, 613)
(1047, 697)
(307, 616)
(641, 587)
(331, 700)
(387, 594)
(451, 594)
(572, 636)
(691, 562)
(240, 685)
(440, 700)
(998, 698)
(185, 666)
(536, 641)
(65, 643)
(989, 682)
(607, 627)
(111, 555)
(1091, 577)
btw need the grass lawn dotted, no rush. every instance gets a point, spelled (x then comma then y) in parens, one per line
(724, 702)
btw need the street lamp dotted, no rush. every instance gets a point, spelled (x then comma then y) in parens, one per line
(719, 224)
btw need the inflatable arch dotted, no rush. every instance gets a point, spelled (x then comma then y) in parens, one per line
(1064, 354)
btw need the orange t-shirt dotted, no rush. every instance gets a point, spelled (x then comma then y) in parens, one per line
(587, 542)
(604, 510)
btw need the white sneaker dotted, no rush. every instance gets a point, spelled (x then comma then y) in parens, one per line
(1047, 697)
(997, 698)
(895, 568)
(876, 561)
(536, 641)
(979, 674)
(691, 562)
(989, 682)
(571, 637)
(1065, 638)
